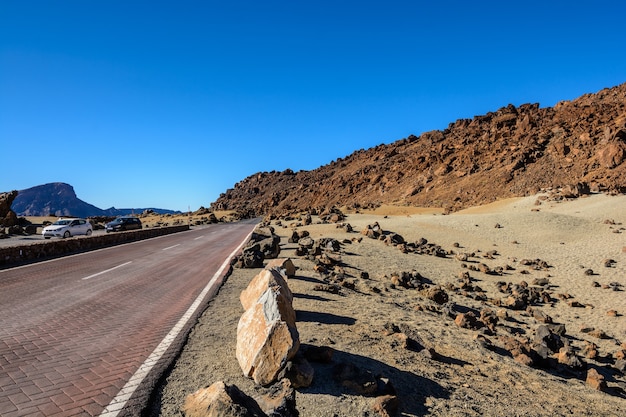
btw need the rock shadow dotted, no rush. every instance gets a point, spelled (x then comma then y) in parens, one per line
(609, 375)
(450, 360)
(411, 389)
(310, 297)
(307, 279)
(323, 318)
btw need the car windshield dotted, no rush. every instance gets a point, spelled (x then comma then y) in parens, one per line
(62, 222)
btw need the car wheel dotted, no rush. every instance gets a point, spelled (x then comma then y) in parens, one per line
(46, 237)
(88, 232)
(67, 234)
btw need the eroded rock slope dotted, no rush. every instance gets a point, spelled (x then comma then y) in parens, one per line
(578, 145)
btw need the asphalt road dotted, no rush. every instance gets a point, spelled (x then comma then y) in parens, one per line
(90, 334)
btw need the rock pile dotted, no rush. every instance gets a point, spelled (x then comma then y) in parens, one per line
(264, 244)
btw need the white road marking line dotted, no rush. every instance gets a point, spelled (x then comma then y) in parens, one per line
(108, 270)
(170, 247)
(118, 403)
(199, 237)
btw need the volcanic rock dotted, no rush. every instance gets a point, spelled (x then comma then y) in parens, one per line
(264, 280)
(278, 400)
(285, 264)
(596, 380)
(221, 400)
(7, 216)
(267, 337)
(577, 146)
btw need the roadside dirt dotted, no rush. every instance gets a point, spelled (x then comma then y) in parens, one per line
(456, 373)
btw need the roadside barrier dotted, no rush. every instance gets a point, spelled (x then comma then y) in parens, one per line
(16, 255)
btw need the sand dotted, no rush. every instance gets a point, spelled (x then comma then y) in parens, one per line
(465, 378)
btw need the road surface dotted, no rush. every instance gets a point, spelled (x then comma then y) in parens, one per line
(90, 334)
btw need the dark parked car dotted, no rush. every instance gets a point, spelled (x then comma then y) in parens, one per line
(123, 223)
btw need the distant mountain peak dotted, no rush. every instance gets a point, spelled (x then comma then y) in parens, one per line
(59, 199)
(52, 199)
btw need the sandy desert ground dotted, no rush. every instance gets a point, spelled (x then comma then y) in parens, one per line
(460, 371)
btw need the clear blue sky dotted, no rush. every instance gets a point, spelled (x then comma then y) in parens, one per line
(169, 103)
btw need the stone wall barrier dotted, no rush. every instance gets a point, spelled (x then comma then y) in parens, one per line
(17, 255)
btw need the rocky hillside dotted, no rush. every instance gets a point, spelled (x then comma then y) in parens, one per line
(577, 145)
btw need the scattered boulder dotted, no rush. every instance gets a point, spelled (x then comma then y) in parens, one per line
(541, 317)
(566, 356)
(436, 294)
(356, 380)
(542, 282)
(284, 264)
(407, 336)
(544, 335)
(596, 380)
(575, 190)
(521, 295)
(251, 257)
(407, 279)
(278, 400)
(520, 351)
(373, 231)
(305, 245)
(320, 354)
(221, 400)
(515, 302)
(264, 244)
(547, 343)
(489, 318)
(306, 219)
(468, 321)
(328, 244)
(598, 333)
(7, 216)
(299, 371)
(386, 405)
(423, 247)
(332, 215)
(590, 350)
(267, 337)
(270, 247)
(393, 239)
(295, 237)
(264, 280)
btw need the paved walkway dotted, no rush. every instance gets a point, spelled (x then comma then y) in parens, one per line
(91, 334)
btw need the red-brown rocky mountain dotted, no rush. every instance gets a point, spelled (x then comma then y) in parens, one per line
(578, 145)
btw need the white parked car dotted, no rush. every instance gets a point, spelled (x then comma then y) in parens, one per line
(67, 228)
